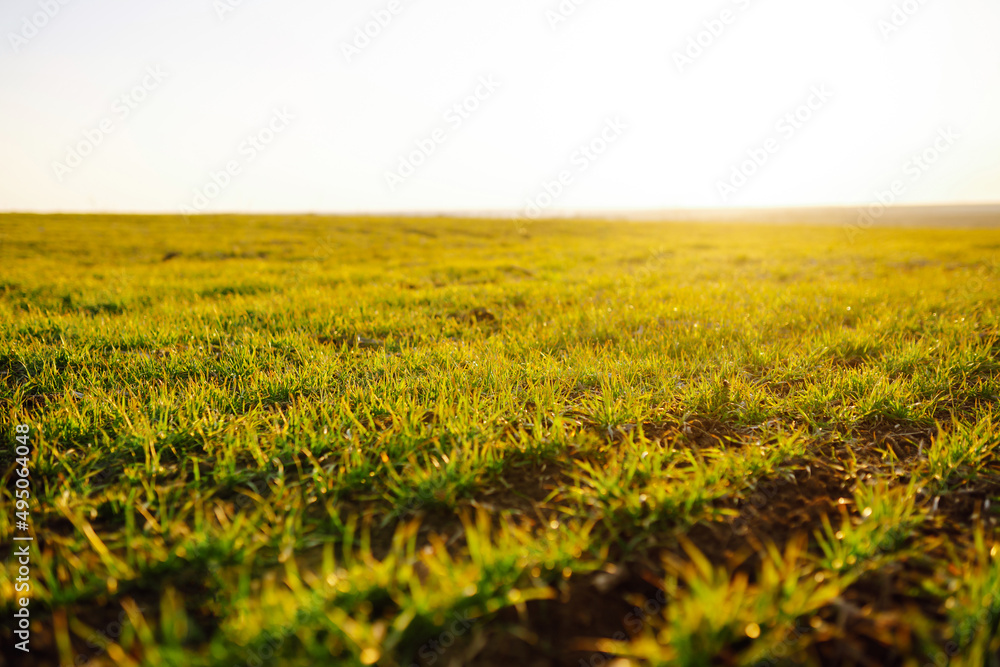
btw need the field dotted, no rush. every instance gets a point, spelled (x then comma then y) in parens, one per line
(344, 441)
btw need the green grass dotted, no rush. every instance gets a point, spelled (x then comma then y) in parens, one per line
(305, 440)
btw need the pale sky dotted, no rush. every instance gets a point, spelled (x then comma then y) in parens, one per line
(260, 105)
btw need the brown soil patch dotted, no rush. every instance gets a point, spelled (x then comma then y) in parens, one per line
(547, 632)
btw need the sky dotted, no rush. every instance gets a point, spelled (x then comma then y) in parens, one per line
(528, 106)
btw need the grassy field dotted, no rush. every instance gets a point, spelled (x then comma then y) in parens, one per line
(338, 441)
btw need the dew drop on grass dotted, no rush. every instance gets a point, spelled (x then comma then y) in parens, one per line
(753, 631)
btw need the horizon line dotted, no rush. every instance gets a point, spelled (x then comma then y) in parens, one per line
(546, 214)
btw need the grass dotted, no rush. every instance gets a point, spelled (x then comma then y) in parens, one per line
(305, 440)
